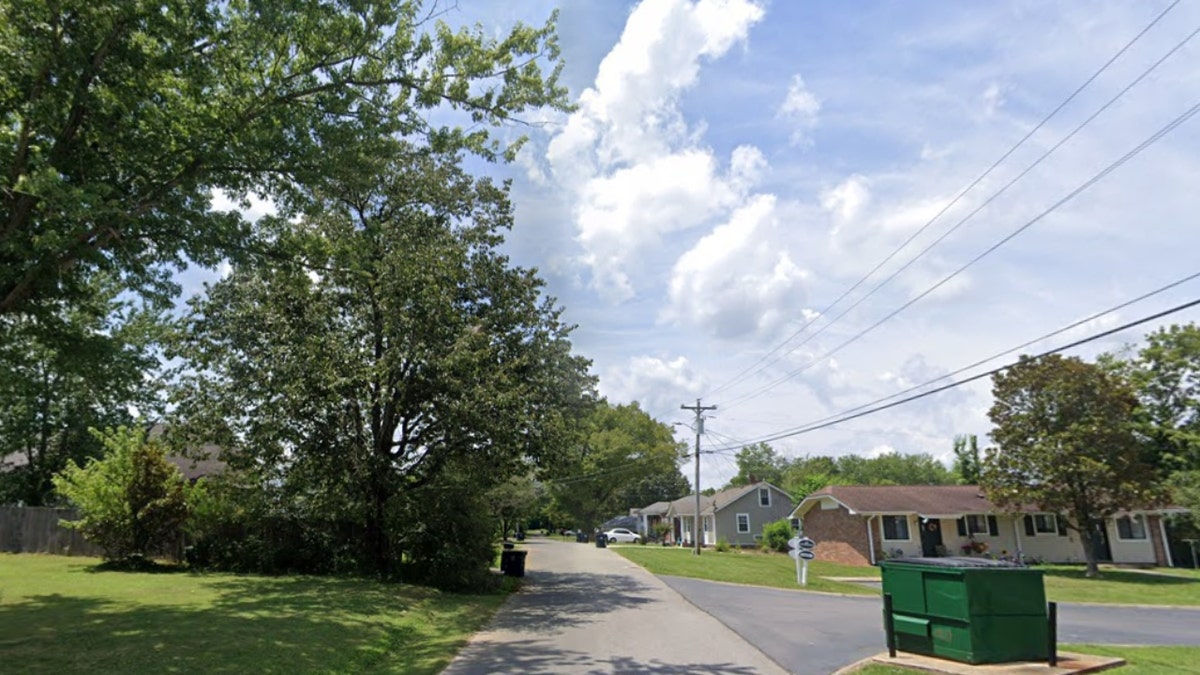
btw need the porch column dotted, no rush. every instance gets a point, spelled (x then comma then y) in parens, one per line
(1020, 546)
(871, 539)
(1162, 529)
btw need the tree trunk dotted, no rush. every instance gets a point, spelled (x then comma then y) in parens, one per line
(1086, 533)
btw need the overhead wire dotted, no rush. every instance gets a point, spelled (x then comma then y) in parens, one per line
(1138, 149)
(766, 359)
(842, 417)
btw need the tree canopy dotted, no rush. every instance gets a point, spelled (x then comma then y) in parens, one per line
(622, 459)
(119, 119)
(1065, 441)
(416, 347)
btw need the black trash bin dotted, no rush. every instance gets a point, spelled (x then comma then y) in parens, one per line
(581, 537)
(601, 540)
(512, 563)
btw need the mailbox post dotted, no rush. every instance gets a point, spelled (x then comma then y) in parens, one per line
(801, 550)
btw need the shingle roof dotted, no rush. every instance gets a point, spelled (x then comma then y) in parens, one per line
(655, 509)
(930, 500)
(686, 506)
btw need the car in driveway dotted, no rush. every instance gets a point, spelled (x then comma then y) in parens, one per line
(621, 535)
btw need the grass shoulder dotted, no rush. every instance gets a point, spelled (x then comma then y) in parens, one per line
(60, 614)
(1140, 660)
(1064, 583)
(747, 567)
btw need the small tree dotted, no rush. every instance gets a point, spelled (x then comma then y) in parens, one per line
(132, 502)
(966, 459)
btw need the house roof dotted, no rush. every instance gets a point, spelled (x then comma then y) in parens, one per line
(923, 500)
(926, 500)
(686, 506)
(655, 509)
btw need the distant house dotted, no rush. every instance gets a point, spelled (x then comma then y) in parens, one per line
(736, 515)
(859, 525)
(649, 516)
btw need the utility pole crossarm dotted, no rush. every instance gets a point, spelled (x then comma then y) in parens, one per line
(699, 410)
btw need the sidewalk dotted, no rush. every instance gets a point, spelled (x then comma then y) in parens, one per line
(588, 610)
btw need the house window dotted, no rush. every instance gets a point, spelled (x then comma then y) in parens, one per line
(743, 523)
(895, 528)
(795, 524)
(1045, 523)
(1131, 527)
(764, 496)
(977, 524)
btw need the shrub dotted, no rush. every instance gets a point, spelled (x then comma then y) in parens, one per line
(132, 502)
(723, 545)
(777, 534)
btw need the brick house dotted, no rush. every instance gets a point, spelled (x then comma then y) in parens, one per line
(859, 525)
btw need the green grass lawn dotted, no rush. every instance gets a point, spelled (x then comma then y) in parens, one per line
(1064, 583)
(62, 615)
(1141, 660)
(746, 567)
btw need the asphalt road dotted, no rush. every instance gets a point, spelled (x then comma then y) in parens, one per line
(819, 633)
(588, 610)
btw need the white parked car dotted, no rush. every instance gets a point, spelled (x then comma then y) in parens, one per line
(621, 535)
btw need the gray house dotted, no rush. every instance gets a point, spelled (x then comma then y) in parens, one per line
(736, 515)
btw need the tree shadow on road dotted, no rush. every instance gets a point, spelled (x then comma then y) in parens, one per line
(487, 657)
(557, 600)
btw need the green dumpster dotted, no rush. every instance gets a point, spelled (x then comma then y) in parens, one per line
(973, 610)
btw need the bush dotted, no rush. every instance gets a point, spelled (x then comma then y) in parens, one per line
(777, 534)
(723, 545)
(132, 502)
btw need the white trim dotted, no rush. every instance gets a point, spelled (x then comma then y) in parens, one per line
(737, 520)
(1162, 528)
(1145, 529)
(1017, 534)
(871, 539)
(883, 529)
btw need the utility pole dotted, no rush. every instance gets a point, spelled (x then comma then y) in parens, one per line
(699, 410)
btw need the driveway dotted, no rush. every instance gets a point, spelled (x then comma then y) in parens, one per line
(818, 633)
(588, 610)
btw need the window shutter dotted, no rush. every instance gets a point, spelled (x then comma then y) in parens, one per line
(1029, 525)
(993, 526)
(962, 527)
(1062, 526)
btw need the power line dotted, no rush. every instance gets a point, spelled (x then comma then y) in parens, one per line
(1151, 140)
(842, 417)
(766, 359)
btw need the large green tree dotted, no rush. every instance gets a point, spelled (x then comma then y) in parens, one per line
(118, 118)
(967, 462)
(1065, 442)
(621, 452)
(87, 365)
(400, 343)
(1166, 374)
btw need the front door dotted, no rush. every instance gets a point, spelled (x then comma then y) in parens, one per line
(1100, 543)
(931, 537)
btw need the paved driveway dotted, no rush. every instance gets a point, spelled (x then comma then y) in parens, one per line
(818, 633)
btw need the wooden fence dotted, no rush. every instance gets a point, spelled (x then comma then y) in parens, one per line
(36, 529)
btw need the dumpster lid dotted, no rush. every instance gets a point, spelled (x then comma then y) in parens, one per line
(954, 561)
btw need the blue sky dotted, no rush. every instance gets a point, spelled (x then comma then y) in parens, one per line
(734, 166)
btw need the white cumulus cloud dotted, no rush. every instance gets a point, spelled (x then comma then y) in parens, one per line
(800, 107)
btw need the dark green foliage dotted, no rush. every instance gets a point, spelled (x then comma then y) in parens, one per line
(777, 534)
(967, 463)
(117, 120)
(1066, 442)
(63, 372)
(132, 502)
(622, 459)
